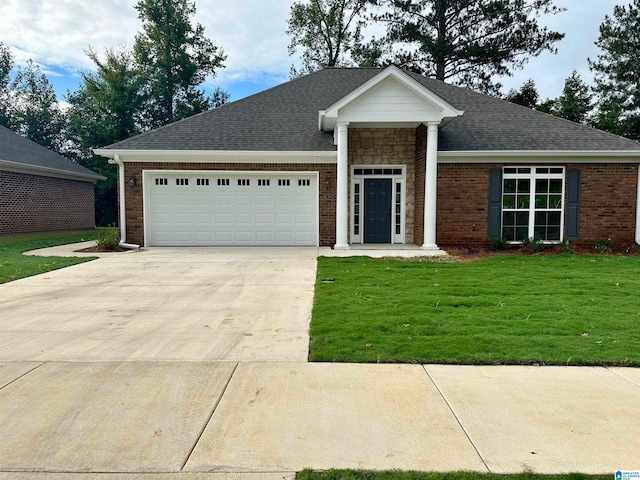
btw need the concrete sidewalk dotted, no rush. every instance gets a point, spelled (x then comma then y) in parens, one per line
(119, 420)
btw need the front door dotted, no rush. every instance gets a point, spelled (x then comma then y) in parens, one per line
(377, 210)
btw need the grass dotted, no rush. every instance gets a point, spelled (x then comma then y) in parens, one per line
(14, 265)
(511, 309)
(397, 475)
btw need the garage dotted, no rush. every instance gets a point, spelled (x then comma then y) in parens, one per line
(221, 208)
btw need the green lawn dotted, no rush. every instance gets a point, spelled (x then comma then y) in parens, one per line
(511, 309)
(396, 475)
(14, 265)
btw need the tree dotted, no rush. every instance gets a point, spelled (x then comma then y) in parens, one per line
(328, 31)
(576, 100)
(34, 109)
(176, 57)
(468, 41)
(6, 65)
(105, 109)
(527, 96)
(617, 72)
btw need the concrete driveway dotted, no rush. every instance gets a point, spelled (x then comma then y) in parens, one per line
(165, 304)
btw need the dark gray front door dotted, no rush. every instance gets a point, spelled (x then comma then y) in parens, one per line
(377, 210)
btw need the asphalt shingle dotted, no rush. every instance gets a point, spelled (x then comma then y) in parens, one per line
(285, 118)
(17, 149)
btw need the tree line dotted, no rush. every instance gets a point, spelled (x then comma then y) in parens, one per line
(465, 42)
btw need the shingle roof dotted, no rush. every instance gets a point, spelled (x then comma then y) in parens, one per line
(20, 152)
(285, 118)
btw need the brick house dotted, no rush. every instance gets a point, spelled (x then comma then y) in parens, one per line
(41, 190)
(344, 156)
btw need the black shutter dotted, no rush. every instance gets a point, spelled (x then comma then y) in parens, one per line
(495, 203)
(573, 204)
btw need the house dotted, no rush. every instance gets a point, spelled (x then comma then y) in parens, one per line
(348, 156)
(41, 190)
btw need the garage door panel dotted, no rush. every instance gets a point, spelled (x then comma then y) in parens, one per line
(216, 208)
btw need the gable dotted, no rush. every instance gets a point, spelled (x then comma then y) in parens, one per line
(389, 101)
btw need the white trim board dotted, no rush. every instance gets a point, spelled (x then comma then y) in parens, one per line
(219, 156)
(536, 156)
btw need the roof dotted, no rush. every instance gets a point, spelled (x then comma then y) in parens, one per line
(285, 118)
(21, 154)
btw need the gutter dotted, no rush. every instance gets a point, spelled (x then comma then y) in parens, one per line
(123, 211)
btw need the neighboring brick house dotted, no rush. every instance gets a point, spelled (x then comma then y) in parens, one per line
(41, 190)
(343, 157)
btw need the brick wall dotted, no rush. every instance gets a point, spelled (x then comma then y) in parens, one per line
(327, 173)
(607, 203)
(387, 146)
(32, 203)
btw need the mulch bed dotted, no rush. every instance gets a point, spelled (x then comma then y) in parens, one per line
(97, 249)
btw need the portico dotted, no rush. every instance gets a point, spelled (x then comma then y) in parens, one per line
(392, 99)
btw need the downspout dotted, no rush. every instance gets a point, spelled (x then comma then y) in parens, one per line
(638, 210)
(123, 209)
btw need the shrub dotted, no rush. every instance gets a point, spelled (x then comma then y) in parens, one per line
(532, 246)
(603, 247)
(499, 244)
(567, 247)
(108, 238)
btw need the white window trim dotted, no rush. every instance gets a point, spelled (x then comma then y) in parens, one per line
(533, 176)
(396, 239)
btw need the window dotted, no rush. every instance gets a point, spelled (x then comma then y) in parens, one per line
(161, 181)
(244, 182)
(182, 182)
(304, 182)
(202, 182)
(284, 182)
(532, 203)
(356, 209)
(223, 182)
(264, 182)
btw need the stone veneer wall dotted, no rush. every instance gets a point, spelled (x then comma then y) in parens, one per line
(387, 146)
(327, 203)
(608, 196)
(33, 203)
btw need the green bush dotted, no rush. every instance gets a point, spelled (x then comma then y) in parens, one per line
(108, 238)
(500, 244)
(603, 247)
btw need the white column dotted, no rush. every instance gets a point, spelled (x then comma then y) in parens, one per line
(430, 188)
(342, 189)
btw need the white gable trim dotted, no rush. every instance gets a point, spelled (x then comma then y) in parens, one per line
(327, 118)
(219, 156)
(547, 156)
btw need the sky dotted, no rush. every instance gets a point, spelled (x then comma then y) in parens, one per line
(56, 33)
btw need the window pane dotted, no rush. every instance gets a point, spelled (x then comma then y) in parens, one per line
(509, 170)
(556, 170)
(541, 201)
(553, 233)
(356, 230)
(540, 233)
(523, 201)
(509, 201)
(555, 186)
(508, 233)
(397, 208)
(540, 218)
(554, 219)
(524, 186)
(510, 186)
(522, 218)
(542, 186)
(357, 187)
(356, 209)
(388, 171)
(542, 170)
(357, 199)
(522, 234)
(367, 171)
(357, 171)
(397, 229)
(508, 218)
(555, 201)
(524, 170)
(397, 171)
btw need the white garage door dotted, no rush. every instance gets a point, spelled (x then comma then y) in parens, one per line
(239, 208)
